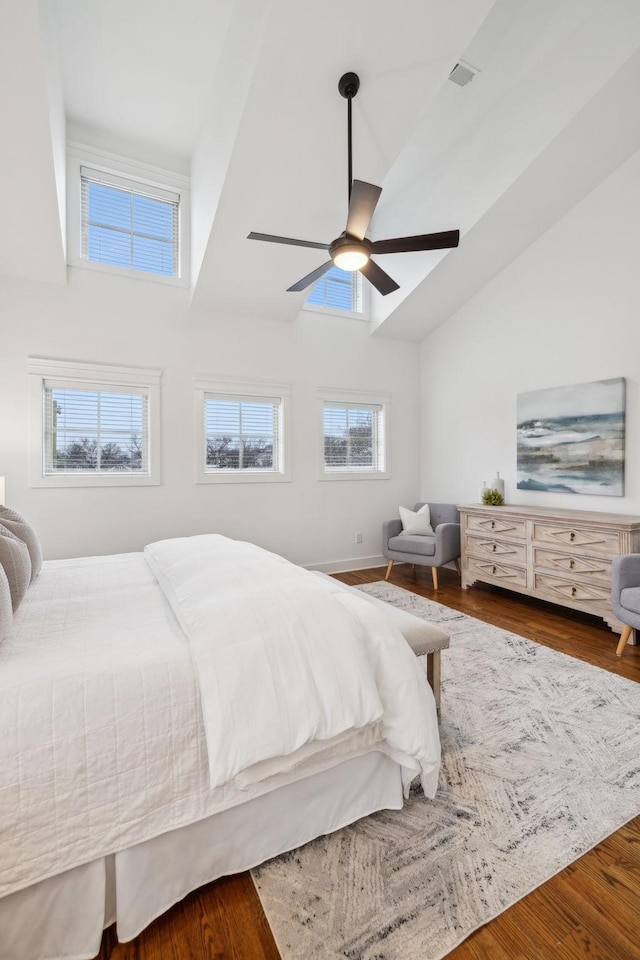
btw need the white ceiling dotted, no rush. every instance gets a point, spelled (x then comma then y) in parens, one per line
(243, 93)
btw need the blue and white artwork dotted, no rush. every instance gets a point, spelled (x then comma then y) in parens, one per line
(571, 439)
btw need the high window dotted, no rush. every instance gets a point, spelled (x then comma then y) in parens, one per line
(124, 216)
(241, 430)
(354, 435)
(338, 290)
(129, 224)
(94, 425)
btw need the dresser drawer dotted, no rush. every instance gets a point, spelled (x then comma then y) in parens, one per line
(605, 542)
(504, 526)
(497, 572)
(562, 590)
(501, 550)
(589, 567)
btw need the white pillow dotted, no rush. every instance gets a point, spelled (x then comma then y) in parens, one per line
(416, 524)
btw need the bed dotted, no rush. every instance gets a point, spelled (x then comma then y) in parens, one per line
(172, 716)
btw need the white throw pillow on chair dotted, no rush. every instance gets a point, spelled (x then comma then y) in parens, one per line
(416, 524)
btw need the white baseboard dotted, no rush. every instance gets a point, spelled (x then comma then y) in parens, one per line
(344, 566)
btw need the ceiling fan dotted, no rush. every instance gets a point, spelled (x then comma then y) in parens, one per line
(352, 250)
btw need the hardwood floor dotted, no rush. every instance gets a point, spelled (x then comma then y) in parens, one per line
(590, 909)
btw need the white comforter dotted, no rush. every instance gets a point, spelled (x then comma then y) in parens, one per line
(102, 742)
(288, 664)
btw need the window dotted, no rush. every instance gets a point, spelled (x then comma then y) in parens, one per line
(339, 290)
(94, 425)
(354, 435)
(241, 431)
(129, 224)
(126, 217)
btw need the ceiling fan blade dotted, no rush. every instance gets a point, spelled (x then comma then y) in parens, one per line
(295, 243)
(310, 277)
(364, 197)
(426, 241)
(383, 283)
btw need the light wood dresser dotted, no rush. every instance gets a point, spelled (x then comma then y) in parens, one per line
(563, 556)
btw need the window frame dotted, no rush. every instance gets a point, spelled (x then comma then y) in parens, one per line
(241, 390)
(355, 398)
(149, 177)
(76, 374)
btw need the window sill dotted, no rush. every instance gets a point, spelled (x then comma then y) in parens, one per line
(243, 477)
(332, 312)
(100, 480)
(355, 475)
(116, 271)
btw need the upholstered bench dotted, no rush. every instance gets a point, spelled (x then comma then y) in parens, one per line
(422, 637)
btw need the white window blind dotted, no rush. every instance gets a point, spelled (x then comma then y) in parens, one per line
(95, 431)
(339, 290)
(243, 434)
(130, 224)
(353, 437)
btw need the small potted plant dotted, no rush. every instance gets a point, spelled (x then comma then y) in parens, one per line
(492, 498)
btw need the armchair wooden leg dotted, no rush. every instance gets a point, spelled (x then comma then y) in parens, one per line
(458, 568)
(388, 573)
(626, 633)
(434, 575)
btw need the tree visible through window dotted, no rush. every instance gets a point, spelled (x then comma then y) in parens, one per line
(94, 431)
(353, 437)
(242, 434)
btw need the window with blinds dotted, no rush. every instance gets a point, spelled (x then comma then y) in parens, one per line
(95, 431)
(129, 224)
(338, 290)
(243, 434)
(354, 437)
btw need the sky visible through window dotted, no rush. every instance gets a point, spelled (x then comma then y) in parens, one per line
(335, 289)
(127, 229)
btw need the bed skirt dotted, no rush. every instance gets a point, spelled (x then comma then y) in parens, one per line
(62, 918)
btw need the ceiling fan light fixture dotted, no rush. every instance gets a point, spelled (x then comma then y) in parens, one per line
(349, 253)
(351, 258)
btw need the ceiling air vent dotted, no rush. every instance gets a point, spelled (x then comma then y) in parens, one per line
(462, 74)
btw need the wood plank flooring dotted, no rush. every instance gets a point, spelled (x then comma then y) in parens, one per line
(591, 909)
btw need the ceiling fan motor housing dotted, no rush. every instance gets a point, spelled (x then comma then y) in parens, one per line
(348, 85)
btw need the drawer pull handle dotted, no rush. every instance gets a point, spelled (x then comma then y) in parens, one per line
(571, 563)
(493, 569)
(573, 591)
(494, 548)
(572, 536)
(493, 524)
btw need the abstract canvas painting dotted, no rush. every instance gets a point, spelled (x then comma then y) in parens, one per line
(571, 439)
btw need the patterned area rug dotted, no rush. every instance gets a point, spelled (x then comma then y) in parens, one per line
(541, 761)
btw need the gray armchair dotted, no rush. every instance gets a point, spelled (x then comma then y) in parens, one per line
(429, 551)
(625, 594)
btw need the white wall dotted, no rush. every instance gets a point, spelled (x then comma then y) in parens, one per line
(100, 317)
(566, 311)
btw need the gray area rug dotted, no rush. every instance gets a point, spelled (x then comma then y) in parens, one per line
(541, 761)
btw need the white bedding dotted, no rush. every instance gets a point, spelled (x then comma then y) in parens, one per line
(289, 664)
(103, 742)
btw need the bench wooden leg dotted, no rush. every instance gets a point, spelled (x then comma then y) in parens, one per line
(388, 573)
(626, 633)
(434, 574)
(433, 675)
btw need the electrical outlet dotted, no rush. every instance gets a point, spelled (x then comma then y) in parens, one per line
(358, 538)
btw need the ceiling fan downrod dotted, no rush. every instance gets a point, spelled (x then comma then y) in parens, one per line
(348, 85)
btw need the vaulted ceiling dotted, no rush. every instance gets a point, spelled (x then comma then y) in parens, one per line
(242, 95)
